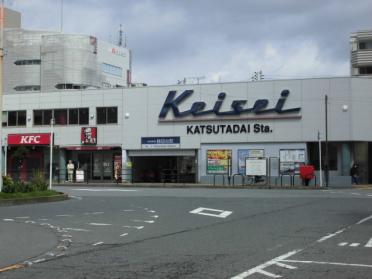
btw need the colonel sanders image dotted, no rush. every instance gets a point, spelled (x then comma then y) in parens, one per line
(88, 136)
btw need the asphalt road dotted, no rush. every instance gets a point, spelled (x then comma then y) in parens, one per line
(190, 233)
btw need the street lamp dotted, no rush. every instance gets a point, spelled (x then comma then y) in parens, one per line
(320, 161)
(326, 163)
(51, 153)
(1, 81)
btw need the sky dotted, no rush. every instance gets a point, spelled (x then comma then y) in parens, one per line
(214, 40)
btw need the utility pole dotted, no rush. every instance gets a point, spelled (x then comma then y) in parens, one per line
(51, 153)
(320, 161)
(1, 84)
(326, 163)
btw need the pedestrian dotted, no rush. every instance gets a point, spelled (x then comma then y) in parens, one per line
(70, 170)
(117, 172)
(354, 173)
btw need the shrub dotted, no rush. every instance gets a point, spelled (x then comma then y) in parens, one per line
(38, 181)
(8, 185)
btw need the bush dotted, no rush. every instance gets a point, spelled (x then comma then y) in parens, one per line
(8, 185)
(38, 181)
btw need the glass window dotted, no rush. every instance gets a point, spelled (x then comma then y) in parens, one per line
(38, 117)
(112, 115)
(22, 118)
(101, 116)
(83, 116)
(12, 118)
(313, 152)
(47, 116)
(112, 70)
(5, 118)
(60, 116)
(73, 116)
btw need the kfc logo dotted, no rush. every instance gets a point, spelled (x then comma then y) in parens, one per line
(29, 139)
(89, 135)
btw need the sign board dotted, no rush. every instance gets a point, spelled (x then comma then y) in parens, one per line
(29, 139)
(218, 161)
(244, 153)
(79, 176)
(160, 142)
(255, 167)
(89, 135)
(291, 160)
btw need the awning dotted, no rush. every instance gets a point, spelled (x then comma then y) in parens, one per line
(89, 148)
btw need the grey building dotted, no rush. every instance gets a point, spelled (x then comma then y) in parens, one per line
(361, 53)
(194, 131)
(47, 61)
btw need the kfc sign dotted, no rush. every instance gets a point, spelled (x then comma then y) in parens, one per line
(29, 139)
(89, 135)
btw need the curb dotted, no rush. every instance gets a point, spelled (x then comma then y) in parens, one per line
(54, 198)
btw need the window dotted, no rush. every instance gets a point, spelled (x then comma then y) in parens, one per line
(75, 116)
(60, 116)
(27, 88)
(28, 62)
(14, 118)
(107, 115)
(365, 70)
(365, 45)
(112, 70)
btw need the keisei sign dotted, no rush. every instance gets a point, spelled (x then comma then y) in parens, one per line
(239, 109)
(29, 139)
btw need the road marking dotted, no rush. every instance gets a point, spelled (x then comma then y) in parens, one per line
(144, 221)
(105, 190)
(221, 213)
(66, 235)
(97, 243)
(23, 217)
(324, 238)
(152, 211)
(328, 263)
(76, 197)
(39, 260)
(354, 244)
(94, 213)
(369, 243)
(343, 244)
(66, 239)
(76, 229)
(99, 224)
(369, 195)
(11, 267)
(44, 219)
(124, 234)
(155, 216)
(61, 247)
(8, 220)
(364, 220)
(356, 194)
(128, 210)
(30, 222)
(134, 227)
(275, 261)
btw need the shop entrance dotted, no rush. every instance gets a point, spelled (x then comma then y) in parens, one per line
(159, 169)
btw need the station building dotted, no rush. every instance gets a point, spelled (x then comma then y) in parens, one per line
(193, 131)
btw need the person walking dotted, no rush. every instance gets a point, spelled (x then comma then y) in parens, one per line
(354, 173)
(70, 171)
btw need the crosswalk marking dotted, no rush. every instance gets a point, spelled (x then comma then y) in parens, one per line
(369, 243)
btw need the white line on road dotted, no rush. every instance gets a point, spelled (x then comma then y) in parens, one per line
(155, 216)
(204, 211)
(364, 220)
(356, 194)
(8, 220)
(97, 243)
(105, 190)
(124, 234)
(99, 224)
(327, 263)
(30, 222)
(66, 235)
(144, 221)
(23, 217)
(76, 197)
(324, 238)
(259, 268)
(94, 213)
(134, 227)
(369, 243)
(64, 215)
(343, 244)
(354, 244)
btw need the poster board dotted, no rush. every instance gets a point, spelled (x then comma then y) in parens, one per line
(256, 167)
(291, 160)
(218, 161)
(244, 153)
(79, 176)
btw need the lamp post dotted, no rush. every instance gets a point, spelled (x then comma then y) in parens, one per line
(320, 161)
(1, 82)
(51, 153)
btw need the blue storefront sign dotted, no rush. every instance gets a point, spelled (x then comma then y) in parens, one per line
(160, 142)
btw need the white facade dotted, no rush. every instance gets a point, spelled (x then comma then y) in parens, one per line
(138, 111)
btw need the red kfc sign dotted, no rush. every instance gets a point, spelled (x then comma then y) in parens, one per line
(89, 135)
(28, 139)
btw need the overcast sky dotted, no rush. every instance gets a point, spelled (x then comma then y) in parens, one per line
(222, 40)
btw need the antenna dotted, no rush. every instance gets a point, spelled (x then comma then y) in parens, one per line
(120, 42)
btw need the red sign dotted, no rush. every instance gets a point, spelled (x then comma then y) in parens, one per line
(89, 135)
(28, 139)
